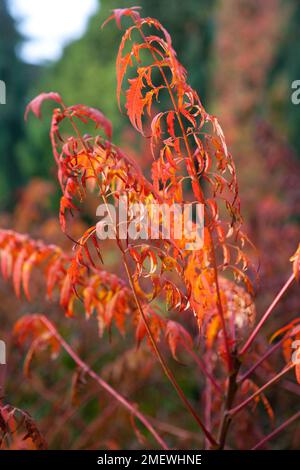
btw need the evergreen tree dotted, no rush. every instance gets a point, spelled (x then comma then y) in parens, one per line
(16, 76)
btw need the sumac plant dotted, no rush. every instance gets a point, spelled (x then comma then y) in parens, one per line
(195, 304)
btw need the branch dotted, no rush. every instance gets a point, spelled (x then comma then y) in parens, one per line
(231, 392)
(265, 356)
(130, 407)
(277, 430)
(266, 315)
(163, 364)
(275, 379)
(205, 371)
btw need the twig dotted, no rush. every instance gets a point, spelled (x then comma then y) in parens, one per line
(231, 392)
(277, 431)
(102, 383)
(268, 353)
(275, 379)
(205, 371)
(164, 365)
(266, 315)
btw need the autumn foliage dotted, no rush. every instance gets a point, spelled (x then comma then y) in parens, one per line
(195, 306)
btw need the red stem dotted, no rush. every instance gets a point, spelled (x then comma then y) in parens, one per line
(205, 371)
(277, 431)
(275, 379)
(266, 315)
(261, 360)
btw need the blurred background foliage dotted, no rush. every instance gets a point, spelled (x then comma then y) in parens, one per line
(242, 57)
(86, 73)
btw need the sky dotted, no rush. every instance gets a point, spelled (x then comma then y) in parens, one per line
(49, 25)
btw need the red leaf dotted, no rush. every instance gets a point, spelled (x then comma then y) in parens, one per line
(170, 123)
(88, 298)
(140, 332)
(95, 115)
(169, 156)
(36, 103)
(65, 203)
(27, 268)
(135, 102)
(17, 273)
(6, 264)
(297, 372)
(35, 328)
(123, 62)
(66, 291)
(176, 335)
(53, 276)
(118, 13)
(295, 259)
